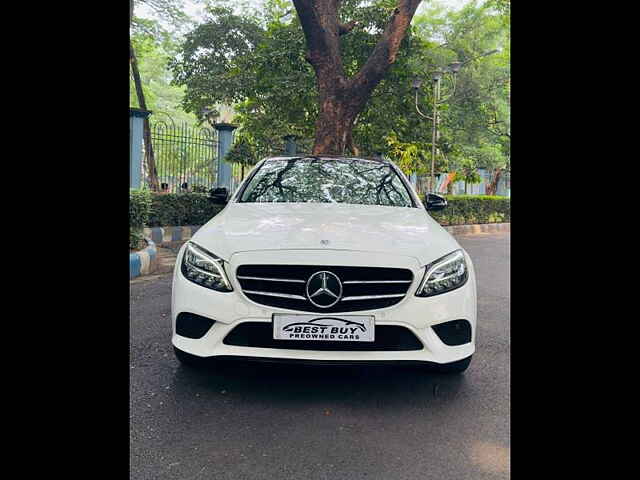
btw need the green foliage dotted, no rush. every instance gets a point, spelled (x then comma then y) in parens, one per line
(258, 64)
(474, 209)
(154, 48)
(243, 151)
(475, 121)
(139, 209)
(154, 35)
(214, 60)
(411, 157)
(467, 172)
(174, 209)
(196, 209)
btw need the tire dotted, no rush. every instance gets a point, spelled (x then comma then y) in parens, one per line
(189, 360)
(453, 367)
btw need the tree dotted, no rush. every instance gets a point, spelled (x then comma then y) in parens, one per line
(491, 157)
(172, 12)
(475, 122)
(467, 172)
(342, 98)
(257, 63)
(146, 135)
(243, 152)
(412, 157)
(154, 48)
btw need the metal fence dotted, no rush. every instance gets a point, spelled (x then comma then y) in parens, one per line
(185, 157)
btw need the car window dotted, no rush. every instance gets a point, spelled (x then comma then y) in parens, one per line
(324, 180)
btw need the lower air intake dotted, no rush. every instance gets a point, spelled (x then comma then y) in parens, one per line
(191, 325)
(456, 332)
(260, 335)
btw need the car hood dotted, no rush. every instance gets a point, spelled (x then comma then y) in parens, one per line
(243, 227)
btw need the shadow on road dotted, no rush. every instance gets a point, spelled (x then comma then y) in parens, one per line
(286, 385)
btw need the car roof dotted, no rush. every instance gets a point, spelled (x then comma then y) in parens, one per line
(327, 156)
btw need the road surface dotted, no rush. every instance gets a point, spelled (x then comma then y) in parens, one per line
(256, 421)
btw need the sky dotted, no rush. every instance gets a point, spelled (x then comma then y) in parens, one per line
(194, 10)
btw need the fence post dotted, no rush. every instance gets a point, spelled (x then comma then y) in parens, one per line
(136, 122)
(225, 140)
(290, 146)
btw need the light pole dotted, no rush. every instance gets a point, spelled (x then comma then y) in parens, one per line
(436, 78)
(453, 68)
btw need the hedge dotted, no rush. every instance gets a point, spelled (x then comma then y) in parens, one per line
(174, 209)
(473, 209)
(139, 209)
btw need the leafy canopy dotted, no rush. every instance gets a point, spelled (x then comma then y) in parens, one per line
(255, 61)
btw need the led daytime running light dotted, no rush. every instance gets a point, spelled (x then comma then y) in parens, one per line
(204, 268)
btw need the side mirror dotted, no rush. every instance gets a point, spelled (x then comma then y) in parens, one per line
(219, 195)
(435, 202)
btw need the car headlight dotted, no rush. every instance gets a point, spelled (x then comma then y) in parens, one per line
(443, 275)
(204, 268)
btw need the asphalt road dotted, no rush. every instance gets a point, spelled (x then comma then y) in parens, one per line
(256, 421)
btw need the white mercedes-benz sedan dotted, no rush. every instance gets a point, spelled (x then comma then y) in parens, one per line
(325, 259)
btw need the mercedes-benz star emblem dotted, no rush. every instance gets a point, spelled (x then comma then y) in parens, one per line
(324, 289)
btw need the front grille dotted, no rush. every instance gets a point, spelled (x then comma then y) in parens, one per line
(363, 288)
(260, 335)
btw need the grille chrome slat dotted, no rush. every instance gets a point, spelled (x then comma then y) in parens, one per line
(351, 282)
(371, 297)
(291, 280)
(272, 294)
(283, 286)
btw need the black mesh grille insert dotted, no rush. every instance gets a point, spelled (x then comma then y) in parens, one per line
(260, 335)
(272, 279)
(455, 332)
(191, 325)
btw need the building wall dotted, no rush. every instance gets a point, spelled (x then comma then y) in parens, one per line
(504, 185)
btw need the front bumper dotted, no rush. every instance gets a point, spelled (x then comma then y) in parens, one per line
(417, 314)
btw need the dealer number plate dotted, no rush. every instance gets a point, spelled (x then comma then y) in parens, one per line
(332, 328)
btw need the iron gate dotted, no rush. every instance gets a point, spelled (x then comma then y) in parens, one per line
(185, 157)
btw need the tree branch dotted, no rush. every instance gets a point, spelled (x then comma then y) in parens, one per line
(385, 51)
(344, 28)
(319, 20)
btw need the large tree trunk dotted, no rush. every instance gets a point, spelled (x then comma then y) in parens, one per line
(492, 188)
(334, 127)
(146, 134)
(341, 99)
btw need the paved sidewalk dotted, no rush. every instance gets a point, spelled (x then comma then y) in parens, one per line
(166, 259)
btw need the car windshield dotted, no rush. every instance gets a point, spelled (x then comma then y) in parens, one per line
(327, 180)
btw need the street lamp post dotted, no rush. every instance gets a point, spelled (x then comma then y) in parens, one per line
(453, 68)
(436, 79)
(434, 134)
